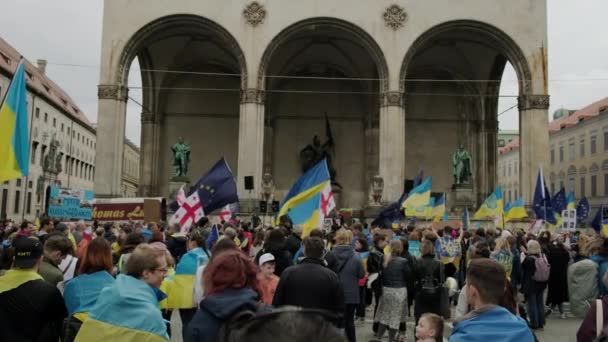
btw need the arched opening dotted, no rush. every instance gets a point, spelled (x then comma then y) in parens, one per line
(317, 68)
(451, 77)
(192, 71)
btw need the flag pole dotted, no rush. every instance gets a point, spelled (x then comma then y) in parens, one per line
(542, 182)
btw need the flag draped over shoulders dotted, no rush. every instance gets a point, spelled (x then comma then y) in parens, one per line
(80, 293)
(180, 287)
(448, 250)
(125, 311)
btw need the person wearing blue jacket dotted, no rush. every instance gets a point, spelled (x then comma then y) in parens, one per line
(486, 280)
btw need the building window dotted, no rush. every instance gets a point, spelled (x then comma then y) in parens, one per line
(18, 182)
(571, 150)
(17, 201)
(28, 205)
(46, 117)
(54, 122)
(605, 140)
(33, 157)
(552, 156)
(570, 183)
(509, 172)
(593, 186)
(61, 127)
(30, 184)
(561, 153)
(582, 149)
(561, 184)
(42, 152)
(593, 144)
(501, 142)
(582, 192)
(68, 130)
(37, 113)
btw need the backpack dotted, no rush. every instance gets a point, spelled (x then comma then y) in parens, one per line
(430, 286)
(541, 269)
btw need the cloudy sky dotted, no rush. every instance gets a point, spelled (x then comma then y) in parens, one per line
(67, 33)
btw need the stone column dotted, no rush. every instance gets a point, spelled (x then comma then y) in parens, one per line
(392, 144)
(111, 117)
(534, 141)
(150, 140)
(251, 141)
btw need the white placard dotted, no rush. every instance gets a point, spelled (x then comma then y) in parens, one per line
(568, 220)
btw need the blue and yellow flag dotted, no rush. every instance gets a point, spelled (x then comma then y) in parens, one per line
(418, 198)
(180, 287)
(515, 210)
(570, 201)
(14, 144)
(439, 209)
(493, 206)
(303, 201)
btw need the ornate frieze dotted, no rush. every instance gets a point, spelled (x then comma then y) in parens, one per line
(112, 92)
(533, 102)
(392, 99)
(394, 16)
(252, 95)
(254, 13)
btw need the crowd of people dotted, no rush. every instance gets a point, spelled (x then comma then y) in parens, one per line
(235, 282)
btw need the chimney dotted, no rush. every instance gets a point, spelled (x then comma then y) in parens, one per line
(41, 65)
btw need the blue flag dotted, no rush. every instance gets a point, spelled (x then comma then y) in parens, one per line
(582, 210)
(217, 187)
(213, 237)
(559, 202)
(542, 201)
(466, 221)
(596, 223)
(392, 213)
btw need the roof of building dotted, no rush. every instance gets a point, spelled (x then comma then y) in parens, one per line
(590, 111)
(512, 145)
(41, 84)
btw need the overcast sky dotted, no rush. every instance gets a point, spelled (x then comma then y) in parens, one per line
(69, 32)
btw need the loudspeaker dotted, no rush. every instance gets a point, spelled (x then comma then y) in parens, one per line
(263, 207)
(275, 207)
(408, 185)
(248, 182)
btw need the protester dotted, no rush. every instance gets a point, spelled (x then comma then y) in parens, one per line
(375, 267)
(230, 286)
(108, 233)
(535, 276)
(486, 280)
(258, 242)
(176, 242)
(430, 328)
(294, 240)
(346, 263)
(478, 251)
(587, 332)
(392, 309)
(447, 249)
(128, 309)
(31, 309)
(558, 258)
(310, 284)
(46, 227)
(56, 248)
(132, 241)
(275, 245)
(503, 255)
(582, 278)
(429, 282)
(601, 258)
(362, 248)
(267, 280)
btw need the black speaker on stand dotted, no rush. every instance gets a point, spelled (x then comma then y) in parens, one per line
(249, 183)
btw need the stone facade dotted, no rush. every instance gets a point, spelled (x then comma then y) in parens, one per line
(253, 82)
(578, 156)
(130, 170)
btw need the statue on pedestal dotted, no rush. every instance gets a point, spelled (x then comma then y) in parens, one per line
(181, 157)
(315, 152)
(461, 163)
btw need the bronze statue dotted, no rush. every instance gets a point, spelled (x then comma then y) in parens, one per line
(313, 153)
(181, 157)
(461, 162)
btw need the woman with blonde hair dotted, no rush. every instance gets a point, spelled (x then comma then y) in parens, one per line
(348, 266)
(393, 304)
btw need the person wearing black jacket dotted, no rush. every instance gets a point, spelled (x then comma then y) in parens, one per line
(310, 284)
(411, 280)
(294, 240)
(429, 282)
(375, 265)
(176, 242)
(275, 245)
(30, 308)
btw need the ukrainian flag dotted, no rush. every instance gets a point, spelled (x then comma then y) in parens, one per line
(14, 144)
(570, 201)
(439, 209)
(180, 287)
(515, 210)
(302, 202)
(493, 206)
(418, 198)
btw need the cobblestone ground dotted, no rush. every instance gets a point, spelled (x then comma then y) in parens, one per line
(556, 330)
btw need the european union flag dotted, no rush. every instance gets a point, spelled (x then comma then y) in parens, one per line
(542, 201)
(213, 237)
(559, 202)
(597, 221)
(582, 210)
(216, 188)
(392, 213)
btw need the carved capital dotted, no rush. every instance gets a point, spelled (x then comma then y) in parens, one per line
(254, 13)
(392, 99)
(112, 92)
(252, 95)
(147, 118)
(525, 102)
(394, 16)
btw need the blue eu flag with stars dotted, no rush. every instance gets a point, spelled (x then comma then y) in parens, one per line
(582, 210)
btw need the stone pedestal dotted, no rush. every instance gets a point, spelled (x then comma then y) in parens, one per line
(371, 211)
(175, 183)
(461, 197)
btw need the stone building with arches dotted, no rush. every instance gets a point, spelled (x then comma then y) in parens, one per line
(402, 82)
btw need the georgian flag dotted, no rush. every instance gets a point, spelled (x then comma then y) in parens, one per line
(180, 197)
(189, 212)
(327, 203)
(226, 213)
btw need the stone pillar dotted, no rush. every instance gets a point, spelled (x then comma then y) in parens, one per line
(392, 144)
(534, 141)
(111, 117)
(251, 141)
(150, 140)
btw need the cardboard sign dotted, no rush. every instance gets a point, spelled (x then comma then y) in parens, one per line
(568, 220)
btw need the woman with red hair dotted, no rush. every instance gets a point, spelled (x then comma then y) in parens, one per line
(94, 274)
(230, 286)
